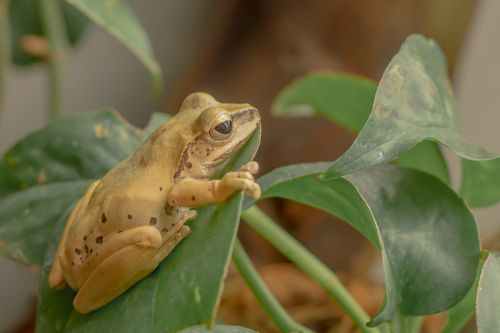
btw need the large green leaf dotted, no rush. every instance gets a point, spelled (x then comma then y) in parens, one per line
(481, 182)
(488, 296)
(118, 19)
(427, 235)
(414, 102)
(343, 98)
(347, 100)
(338, 197)
(218, 329)
(25, 20)
(430, 243)
(49, 170)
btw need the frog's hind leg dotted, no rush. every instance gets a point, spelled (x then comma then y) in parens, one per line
(171, 241)
(56, 275)
(131, 261)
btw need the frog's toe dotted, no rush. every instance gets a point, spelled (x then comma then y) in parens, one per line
(252, 167)
(240, 174)
(253, 191)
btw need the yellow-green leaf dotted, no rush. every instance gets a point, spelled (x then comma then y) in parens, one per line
(116, 17)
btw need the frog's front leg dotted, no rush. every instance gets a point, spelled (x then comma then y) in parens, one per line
(195, 192)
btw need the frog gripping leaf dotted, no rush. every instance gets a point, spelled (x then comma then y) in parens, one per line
(130, 220)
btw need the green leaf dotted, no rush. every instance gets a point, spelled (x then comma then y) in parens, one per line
(116, 17)
(343, 98)
(488, 296)
(427, 235)
(25, 20)
(430, 243)
(218, 329)
(49, 170)
(414, 102)
(338, 197)
(481, 182)
(347, 100)
(426, 156)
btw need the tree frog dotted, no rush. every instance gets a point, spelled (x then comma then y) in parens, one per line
(130, 220)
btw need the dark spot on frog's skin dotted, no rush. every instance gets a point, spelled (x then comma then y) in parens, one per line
(99, 240)
(86, 249)
(193, 198)
(129, 216)
(189, 165)
(164, 230)
(168, 209)
(152, 220)
(78, 251)
(161, 188)
(91, 250)
(72, 263)
(119, 231)
(91, 232)
(163, 130)
(103, 218)
(84, 238)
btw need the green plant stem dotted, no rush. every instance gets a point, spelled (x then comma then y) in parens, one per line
(4, 51)
(306, 261)
(278, 315)
(55, 31)
(414, 324)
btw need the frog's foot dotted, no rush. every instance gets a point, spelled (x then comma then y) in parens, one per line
(170, 241)
(130, 262)
(240, 181)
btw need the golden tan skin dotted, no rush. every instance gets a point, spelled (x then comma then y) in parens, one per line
(131, 219)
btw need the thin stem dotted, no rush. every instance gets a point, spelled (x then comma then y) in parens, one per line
(278, 315)
(306, 261)
(414, 324)
(4, 50)
(55, 31)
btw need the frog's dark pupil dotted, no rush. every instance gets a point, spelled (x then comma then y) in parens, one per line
(225, 127)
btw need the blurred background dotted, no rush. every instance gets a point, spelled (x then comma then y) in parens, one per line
(247, 51)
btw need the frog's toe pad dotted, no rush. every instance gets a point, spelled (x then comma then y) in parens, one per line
(252, 167)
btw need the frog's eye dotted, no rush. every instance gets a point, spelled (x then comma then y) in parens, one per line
(221, 130)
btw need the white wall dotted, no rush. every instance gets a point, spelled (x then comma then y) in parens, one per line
(478, 90)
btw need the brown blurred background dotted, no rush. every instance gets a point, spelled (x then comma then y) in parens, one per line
(244, 50)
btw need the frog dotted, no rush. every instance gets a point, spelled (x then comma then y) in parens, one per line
(131, 219)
